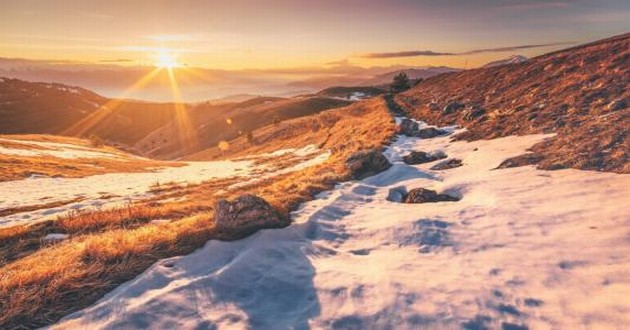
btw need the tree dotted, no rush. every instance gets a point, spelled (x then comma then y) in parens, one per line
(400, 83)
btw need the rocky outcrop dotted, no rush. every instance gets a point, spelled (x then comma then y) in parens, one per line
(367, 163)
(421, 157)
(246, 215)
(447, 164)
(422, 195)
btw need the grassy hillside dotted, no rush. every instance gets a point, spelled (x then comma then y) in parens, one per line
(579, 93)
(107, 248)
(215, 123)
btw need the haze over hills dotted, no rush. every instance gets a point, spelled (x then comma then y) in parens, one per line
(199, 84)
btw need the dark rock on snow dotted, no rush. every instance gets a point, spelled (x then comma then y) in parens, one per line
(430, 132)
(397, 194)
(246, 215)
(447, 164)
(408, 127)
(421, 195)
(421, 157)
(411, 128)
(367, 163)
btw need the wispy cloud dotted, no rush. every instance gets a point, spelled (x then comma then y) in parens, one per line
(415, 53)
(513, 48)
(412, 53)
(118, 60)
(535, 5)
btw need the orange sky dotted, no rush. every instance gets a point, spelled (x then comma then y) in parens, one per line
(277, 34)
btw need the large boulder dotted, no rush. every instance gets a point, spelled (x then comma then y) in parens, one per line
(246, 215)
(367, 163)
(421, 195)
(421, 157)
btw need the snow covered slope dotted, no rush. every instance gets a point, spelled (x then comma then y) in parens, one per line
(522, 247)
(31, 198)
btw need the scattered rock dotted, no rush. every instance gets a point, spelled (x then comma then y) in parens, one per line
(617, 105)
(473, 112)
(422, 195)
(421, 157)
(430, 132)
(447, 164)
(408, 127)
(246, 215)
(522, 160)
(367, 163)
(397, 194)
(452, 107)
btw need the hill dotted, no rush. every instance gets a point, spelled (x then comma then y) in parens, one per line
(413, 74)
(148, 128)
(27, 107)
(581, 94)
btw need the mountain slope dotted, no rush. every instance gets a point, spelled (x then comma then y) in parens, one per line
(581, 94)
(150, 128)
(27, 107)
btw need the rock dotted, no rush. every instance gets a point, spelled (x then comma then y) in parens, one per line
(397, 194)
(421, 157)
(367, 163)
(448, 164)
(617, 105)
(421, 195)
(246, 215)
(473, 112)
(408, 127)
(430, 132)
(452, 107)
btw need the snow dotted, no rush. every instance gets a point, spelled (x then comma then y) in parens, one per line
(546, 249)
(55, 237)
(59, 150)
(107, 190)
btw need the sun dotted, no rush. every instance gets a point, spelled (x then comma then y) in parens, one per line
(166, 59)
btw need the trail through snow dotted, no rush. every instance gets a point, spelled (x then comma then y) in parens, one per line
(543, 249)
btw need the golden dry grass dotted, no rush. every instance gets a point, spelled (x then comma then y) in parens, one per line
(14, 167)
(110, 247)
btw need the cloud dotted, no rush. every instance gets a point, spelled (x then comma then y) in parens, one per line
(118, 60)
(415, 53)
(412, 53)
(512, 48)
(344, 62)
(535, 5)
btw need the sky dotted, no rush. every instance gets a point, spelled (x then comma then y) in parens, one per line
(257, 34)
